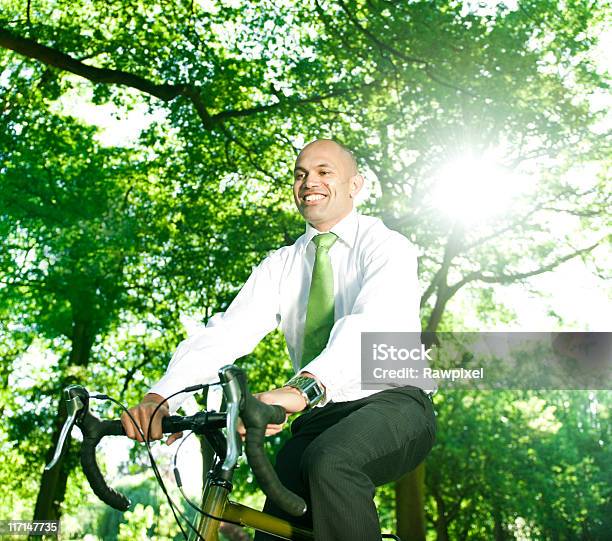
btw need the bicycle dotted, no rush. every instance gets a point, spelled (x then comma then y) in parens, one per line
(216, 505)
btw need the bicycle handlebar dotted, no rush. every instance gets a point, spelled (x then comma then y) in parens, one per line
(255, 415)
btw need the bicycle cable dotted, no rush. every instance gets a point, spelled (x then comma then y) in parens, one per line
(153, 464)
(179, 484)
(147, 440)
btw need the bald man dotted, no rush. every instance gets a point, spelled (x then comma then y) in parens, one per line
(346, 275)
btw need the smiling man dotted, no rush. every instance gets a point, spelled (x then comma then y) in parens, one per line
(347, 274)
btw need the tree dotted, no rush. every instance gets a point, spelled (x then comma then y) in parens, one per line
(406, 87)
(510, 459)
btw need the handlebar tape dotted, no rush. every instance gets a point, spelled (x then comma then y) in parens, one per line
(256, 416)
(99, 429)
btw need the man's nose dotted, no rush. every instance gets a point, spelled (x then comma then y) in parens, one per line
(312, 181)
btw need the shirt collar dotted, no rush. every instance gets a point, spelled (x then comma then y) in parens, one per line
(346, 229)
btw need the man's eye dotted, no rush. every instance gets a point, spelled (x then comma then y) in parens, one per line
(324, 172)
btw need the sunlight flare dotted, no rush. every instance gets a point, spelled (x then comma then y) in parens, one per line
(475, 188)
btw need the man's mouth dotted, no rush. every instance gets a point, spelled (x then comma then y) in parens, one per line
(313, 198)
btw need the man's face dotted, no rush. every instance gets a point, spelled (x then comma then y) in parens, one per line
(324, 181)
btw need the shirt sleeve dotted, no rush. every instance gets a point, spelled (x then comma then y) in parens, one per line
(228, 335)
(388, 301)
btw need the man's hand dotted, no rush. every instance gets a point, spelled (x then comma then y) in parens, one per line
(289, 398)
(142, 415)
(285, 397)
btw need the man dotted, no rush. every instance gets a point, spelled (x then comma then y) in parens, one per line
(347, 274)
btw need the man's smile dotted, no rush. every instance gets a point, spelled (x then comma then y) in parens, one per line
(313, 198)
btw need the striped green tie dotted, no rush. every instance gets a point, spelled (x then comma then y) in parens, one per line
(320, 310)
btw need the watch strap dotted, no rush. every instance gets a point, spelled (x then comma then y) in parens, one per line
(310, 389)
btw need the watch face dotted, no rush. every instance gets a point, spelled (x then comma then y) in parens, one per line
(309, 387)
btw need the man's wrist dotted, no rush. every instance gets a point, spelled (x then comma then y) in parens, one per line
(297, 392)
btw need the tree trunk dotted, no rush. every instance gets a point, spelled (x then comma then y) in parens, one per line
(442, 520)
(409, 505)
(53, 482)
(499, 532)
(410, 490)
(441, 530)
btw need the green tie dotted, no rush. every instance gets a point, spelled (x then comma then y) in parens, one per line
(320, 310)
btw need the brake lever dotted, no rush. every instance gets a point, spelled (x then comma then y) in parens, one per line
(77, 402)
(233, 394)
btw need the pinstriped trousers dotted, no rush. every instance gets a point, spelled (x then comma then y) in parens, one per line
(339, 453)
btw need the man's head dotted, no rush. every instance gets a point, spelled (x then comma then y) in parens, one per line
(326, 182)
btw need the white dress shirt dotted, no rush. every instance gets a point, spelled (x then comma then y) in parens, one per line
(375, 288)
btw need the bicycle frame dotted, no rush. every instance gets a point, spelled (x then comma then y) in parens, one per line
(216, 502)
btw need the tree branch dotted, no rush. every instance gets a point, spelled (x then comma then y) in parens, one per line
(580, 213)
(519, 219)
(129, 376)
(451, 249)
(165, 92)
(52, 57)
(288, 102)
(510, 278)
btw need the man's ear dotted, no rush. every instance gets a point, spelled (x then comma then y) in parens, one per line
(356, 184)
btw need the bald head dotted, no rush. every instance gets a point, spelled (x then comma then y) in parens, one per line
(345, 155)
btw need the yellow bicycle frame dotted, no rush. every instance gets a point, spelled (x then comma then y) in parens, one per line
(215, 498)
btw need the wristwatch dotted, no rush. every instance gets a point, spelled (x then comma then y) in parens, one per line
(310, 389)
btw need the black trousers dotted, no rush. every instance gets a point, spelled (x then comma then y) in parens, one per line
(339, 453)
